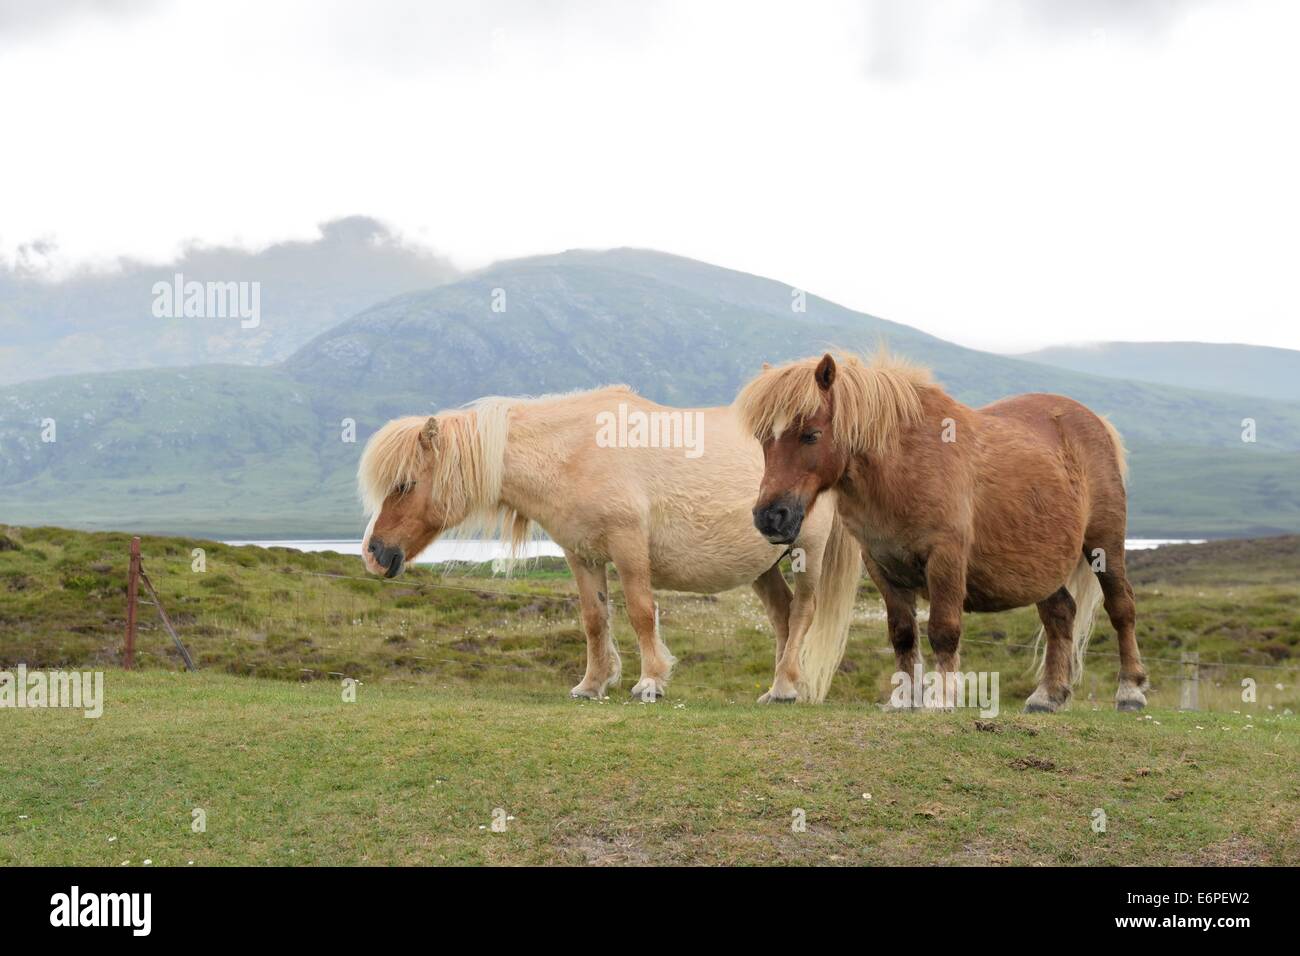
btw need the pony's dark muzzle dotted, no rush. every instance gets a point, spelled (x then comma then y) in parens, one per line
(386, 557)
(780, 520)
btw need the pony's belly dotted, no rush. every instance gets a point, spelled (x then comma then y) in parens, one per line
(1012, 583)
(1016, 583)
(982, 603)
(703, 568)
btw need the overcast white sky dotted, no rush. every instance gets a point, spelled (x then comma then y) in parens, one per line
(1003, 174)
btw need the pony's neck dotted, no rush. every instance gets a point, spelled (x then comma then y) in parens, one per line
(883, 480)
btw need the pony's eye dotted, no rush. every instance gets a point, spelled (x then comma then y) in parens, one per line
(810, 438)
(405, 489)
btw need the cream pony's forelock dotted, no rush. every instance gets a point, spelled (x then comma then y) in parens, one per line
(392, 457)
(466, 467)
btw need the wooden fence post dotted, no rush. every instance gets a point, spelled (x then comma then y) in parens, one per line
(1189, 698)
(132, 589)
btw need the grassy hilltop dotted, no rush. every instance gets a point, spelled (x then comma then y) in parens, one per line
(462, 709)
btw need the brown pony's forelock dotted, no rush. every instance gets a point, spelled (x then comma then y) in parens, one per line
(872, 398)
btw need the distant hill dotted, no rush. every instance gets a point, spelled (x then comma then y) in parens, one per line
(234, 451)
(1238, 369)
(683, 332)
(104, 321)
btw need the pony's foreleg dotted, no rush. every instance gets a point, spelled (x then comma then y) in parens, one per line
(785, 682)
(900, 617)
(775, 594)
(656, 660)
(1057, 615)
(604, 667)
(945, 580)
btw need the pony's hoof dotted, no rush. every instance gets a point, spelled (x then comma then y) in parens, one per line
(584, 693)
(1129, 697)
(782, 691)
(1040, 703)
(648, 690)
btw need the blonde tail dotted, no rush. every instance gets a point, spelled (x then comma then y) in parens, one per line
(1083, 587)
(1121, 453)
(828, 634)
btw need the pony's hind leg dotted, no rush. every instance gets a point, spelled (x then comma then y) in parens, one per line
(1057, 615)
(604, 666)
(1122, 611)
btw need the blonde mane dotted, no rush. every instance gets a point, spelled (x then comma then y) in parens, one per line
(467, 465)
(873, 399)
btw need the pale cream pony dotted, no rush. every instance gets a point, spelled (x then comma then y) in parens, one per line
(669, 506)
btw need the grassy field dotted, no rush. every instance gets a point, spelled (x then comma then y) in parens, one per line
(290, 773)
(288, 615)
(462, 709)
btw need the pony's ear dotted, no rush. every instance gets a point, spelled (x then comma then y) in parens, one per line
(429, 434)
(825, 373)
(766, 366)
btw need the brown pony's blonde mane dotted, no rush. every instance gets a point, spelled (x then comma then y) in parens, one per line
(873, 399)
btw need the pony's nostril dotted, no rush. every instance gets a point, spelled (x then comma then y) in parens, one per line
(374, 547)
(778, 521)
(395, 565)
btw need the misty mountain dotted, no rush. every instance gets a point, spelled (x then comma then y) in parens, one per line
(1239, 369)
(257, 451)
(683, 332)
(94, 321)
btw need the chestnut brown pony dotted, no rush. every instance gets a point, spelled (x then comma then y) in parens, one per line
(1019, 502)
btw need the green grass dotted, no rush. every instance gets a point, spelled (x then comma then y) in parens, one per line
(291, 774)
(289, 615)
(462, 708)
